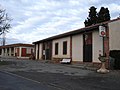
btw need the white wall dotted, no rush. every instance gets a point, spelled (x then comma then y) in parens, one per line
(60, 48)
(97, 46)
(114, 35)
(77, 48)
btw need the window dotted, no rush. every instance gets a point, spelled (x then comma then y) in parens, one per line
(64, 47)
(56, 48)
(28, 51)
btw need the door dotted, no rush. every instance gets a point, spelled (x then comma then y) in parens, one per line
(47, 54)
(87, 47)
(23, 52)
(47, 48)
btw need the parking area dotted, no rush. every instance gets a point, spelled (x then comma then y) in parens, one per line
(42, 66)
(63, 76)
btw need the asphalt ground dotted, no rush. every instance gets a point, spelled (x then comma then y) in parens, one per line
(9, 81)
(63, 77)
(68, 82)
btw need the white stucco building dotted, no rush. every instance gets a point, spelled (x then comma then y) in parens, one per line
(81, 45)
(18, 50)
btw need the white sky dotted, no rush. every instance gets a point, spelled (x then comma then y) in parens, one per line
(34, 20)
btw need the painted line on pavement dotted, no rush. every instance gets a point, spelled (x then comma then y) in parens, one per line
(19, 76)
(50, 84)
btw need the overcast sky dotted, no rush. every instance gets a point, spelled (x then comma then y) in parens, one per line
(34, 20)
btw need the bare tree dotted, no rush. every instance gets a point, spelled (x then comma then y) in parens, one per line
(4, 23)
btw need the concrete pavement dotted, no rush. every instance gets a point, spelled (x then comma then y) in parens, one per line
(63, 76)
(43, 66)
(40, 66)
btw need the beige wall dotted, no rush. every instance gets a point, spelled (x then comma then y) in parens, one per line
(97, 46)
(60, 48)
(77, 48)
(114, 35)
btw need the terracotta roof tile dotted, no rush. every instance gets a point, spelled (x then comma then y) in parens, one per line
(17, 45)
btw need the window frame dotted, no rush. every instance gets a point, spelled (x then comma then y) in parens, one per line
(56, 48)
(64, 47)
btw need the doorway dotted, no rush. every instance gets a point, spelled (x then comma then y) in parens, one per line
(87, 47)
(47, 48)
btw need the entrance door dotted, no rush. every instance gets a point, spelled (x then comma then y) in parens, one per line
(49, 50)
(47, 47)
(23, 54)
(47, 54)
(87, 47)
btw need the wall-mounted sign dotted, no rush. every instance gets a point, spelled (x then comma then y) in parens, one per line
(102, 31)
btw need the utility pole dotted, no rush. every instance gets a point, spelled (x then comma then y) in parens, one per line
(4, 38)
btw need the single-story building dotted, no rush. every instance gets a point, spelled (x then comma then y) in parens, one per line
(18, 50)
(81, 45)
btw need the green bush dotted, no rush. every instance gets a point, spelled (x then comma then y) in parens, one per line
(116, 55)
(4, 62)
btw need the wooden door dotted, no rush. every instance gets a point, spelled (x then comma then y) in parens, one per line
(23, 54)
(87, 47)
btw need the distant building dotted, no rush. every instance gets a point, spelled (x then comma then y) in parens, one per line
(82, 45)
(18, 50)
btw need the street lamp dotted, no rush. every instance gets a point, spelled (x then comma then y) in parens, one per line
(102, 58)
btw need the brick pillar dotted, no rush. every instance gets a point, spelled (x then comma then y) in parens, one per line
(71, 47)
(106, 46)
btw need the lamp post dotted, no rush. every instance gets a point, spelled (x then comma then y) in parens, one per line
(4, 34)
(102, 58)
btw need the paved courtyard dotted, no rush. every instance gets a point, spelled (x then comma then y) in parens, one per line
(62, 76)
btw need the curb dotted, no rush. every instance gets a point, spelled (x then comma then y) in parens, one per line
(84, 68)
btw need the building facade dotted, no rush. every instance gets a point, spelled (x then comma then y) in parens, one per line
(82, 45)
(17, 50)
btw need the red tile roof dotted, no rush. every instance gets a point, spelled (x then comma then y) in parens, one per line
(17, 45)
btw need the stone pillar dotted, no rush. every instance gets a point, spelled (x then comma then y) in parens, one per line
(36, 51)
(9, 51)
(6, 52)
(14, 52)
(20, 52)
(3, 52)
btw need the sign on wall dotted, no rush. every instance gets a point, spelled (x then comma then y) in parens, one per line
(102, 31)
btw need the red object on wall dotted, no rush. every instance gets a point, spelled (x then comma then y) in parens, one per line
(23, 54)
(88, 38)
(103, 33)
